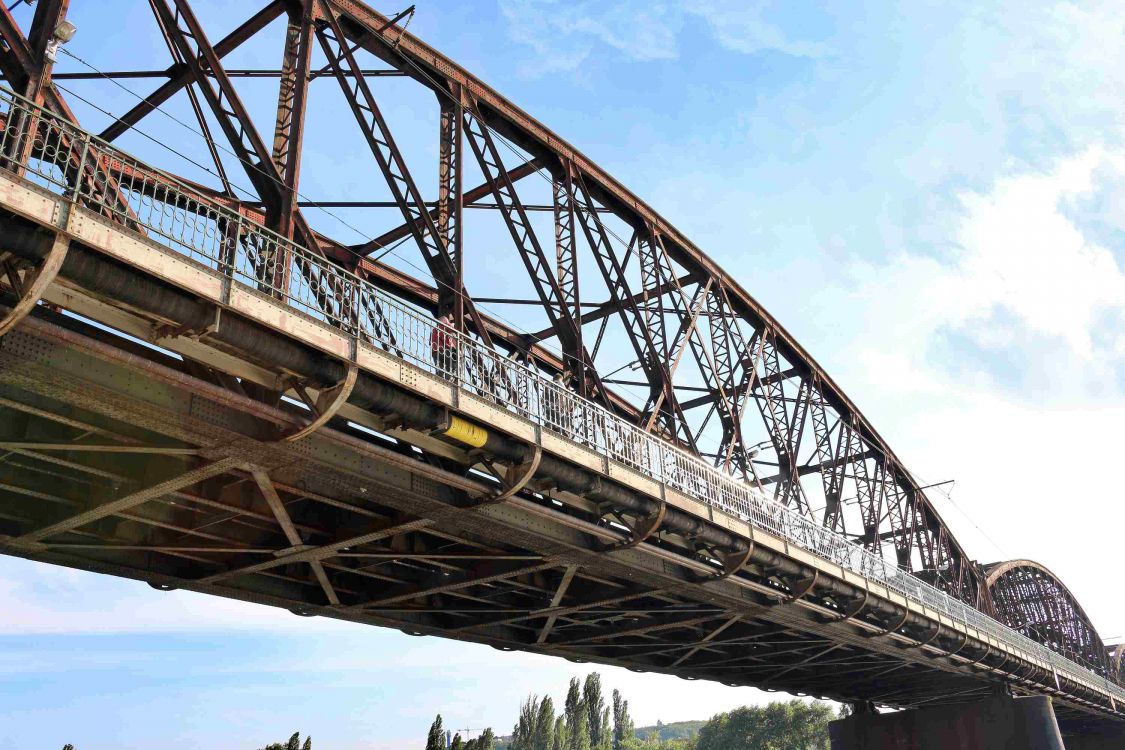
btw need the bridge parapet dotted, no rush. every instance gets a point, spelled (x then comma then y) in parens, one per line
(171, 230)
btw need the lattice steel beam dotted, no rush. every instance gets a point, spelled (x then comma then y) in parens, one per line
(180, 75)
(375, 130)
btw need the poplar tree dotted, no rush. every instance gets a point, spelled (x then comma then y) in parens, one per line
(435, 740)
(523, 734)
(623, 729)
(595, 711)
(577, 720)
(562, 742)
(543, 737)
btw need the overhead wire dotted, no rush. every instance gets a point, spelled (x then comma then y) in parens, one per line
(388, 249)
(948, 495)
(392, 249)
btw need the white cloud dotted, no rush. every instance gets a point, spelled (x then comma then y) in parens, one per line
(1021, 253)
(564, 35)
(1033, 464)
(741, 26)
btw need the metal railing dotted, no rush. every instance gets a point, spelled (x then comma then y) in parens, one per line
(66, 160)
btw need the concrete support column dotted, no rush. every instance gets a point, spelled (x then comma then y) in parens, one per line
(998, 723)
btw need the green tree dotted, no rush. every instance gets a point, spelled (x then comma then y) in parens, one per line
(596, 718)
(543, 738)
(577, 719)
(792, 725)
(487, 739)
(562, 741)
(308, 743)
(623, 730)
(294, 743)
(68, 746)
(523, 733)
(435, 740)
(457, 743)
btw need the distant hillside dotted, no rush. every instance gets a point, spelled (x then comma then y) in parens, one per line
(677, 730)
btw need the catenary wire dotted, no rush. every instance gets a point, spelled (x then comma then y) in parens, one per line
(387, 250)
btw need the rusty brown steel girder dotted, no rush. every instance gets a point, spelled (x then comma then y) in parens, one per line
(450, 208)
(361, 100)
(1028, 597)
(811, 425)
(558, 304)
(371, 30)
(615, 609)
(180, 75)
(292, 101)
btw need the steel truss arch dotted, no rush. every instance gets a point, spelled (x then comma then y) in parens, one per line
(1029, 598)
(721, 376)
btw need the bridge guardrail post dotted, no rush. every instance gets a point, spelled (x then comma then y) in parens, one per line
(73, 193)
(236, 248)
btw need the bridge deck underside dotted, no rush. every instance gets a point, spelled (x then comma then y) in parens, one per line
(350, 525)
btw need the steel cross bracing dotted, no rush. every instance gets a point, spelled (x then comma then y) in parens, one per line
(705, 347)
(69, 378)
(1028, 597)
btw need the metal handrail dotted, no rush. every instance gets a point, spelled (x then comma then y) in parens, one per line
(55, 154)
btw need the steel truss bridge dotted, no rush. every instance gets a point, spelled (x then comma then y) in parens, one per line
(205, 392)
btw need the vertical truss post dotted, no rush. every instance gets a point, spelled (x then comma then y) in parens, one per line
(48, 15)
(449, 208)
(652, 302)
(688, 335)
(578, 362)
(366, 110)
(566, 253)
(733, 353)
(638, 333)
(898, 516)
(196, 107)
(234, 119)
(289, 125)
(869, 494)
(785, 428)
(832, 461)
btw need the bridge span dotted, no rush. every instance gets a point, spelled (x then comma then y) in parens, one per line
(205, 394)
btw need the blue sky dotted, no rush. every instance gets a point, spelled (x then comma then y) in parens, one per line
(928, 195)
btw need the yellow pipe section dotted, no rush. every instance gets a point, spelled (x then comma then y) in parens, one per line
(466, 432)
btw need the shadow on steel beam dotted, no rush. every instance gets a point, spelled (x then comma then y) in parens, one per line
(998, 723)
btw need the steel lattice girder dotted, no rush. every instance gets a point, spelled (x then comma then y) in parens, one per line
(1029, 598)
(386, 534)
(720, 351)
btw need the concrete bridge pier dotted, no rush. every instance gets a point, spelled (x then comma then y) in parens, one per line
(998, 723)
